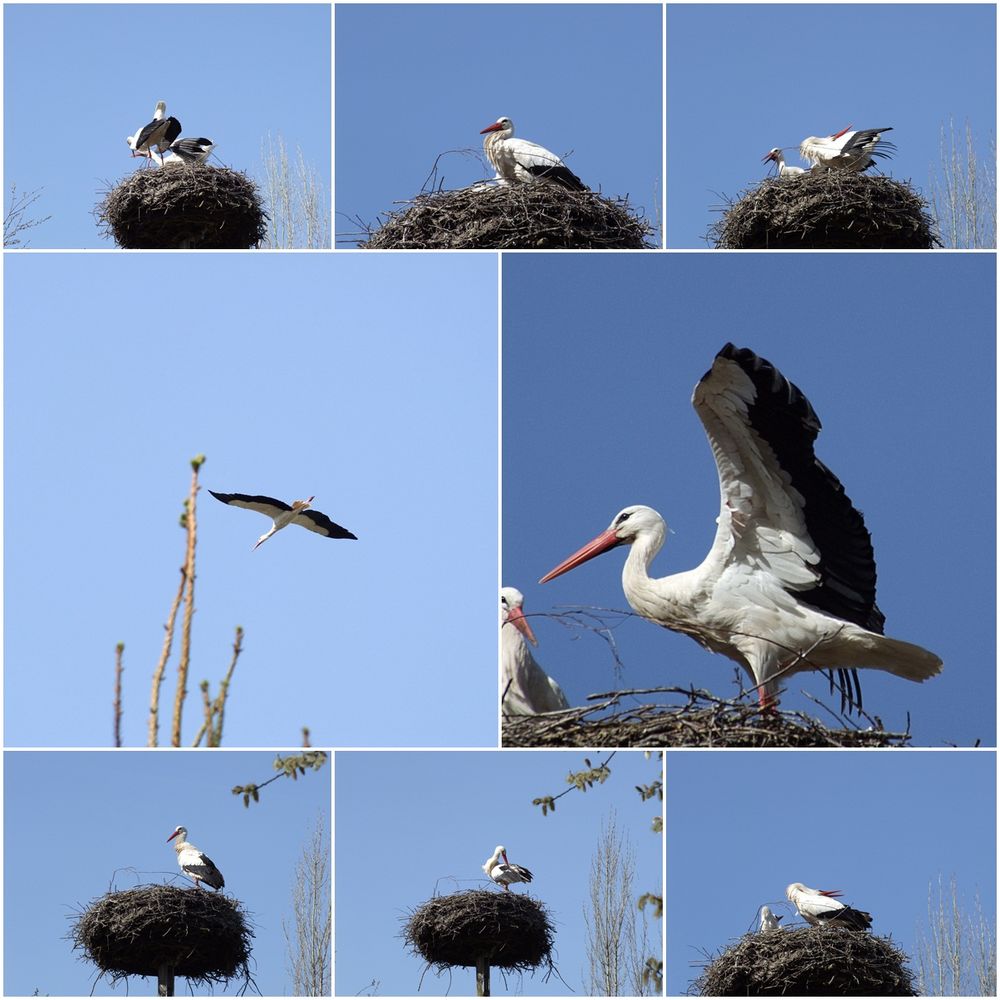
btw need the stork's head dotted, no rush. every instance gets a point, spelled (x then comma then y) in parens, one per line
(181, 832)
(774, 154)
(503, 124)
(511, 602)
(161, 109)
(628, 525)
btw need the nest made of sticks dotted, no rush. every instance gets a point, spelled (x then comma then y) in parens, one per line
(206, 936)
(808, 962)
(510, 930)
(828, 210)
(702, 720)
(540, 216)
(184, 207)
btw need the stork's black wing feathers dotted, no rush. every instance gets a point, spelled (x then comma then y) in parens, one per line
(865, 135)
(246, 498)
(164, 129)
(783, 418)
(322, 525)
(857, 920)
(558, 173)
(207, 872)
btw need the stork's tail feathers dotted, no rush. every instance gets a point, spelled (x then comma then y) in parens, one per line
(904, 659)
(856, 920)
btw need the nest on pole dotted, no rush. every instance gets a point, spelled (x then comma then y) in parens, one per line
(539, 216)
(828, 210)
(808, 962)
(509, 930)
(204, 935)
(703, 720)
(187, 207)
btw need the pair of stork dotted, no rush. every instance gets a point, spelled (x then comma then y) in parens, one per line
(160, 137)
(845, 150)
(819, 908)
(789, 582)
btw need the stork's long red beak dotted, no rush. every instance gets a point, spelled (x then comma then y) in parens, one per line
(515, 617)
(174, 834)
(505, 861)
(495, 127)
(604, 541)
(832, 892)
(843, 131)
(767, 156)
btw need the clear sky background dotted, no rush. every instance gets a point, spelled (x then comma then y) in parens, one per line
(367, 380)
(101, 820)
(233, 73)
(882, 826)
(419, 80)
(895, 352)
(744, 78)
(429, 823)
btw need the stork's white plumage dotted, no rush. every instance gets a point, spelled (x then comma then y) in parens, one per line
(505, 873)
(190, 150)
(846, 150)
(784, 170)
(284, 514)
(158, 134)
(517, 160)
(789, 583)
(819, 908)
(194, 863)
(527, 689)
(769, 921)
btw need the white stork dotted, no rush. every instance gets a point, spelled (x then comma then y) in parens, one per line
(192, 862)
(789, 583)
(159, 133)
(819, 908)
(284, 514)
(769, 921)
(520, 160)
(784, 170)
(190, 150)
(528, 689)
(846, 150)
(506, 873)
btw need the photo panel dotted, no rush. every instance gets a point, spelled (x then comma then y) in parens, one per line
(517, 867)
(364, 384)
(877, 871)
(186, 883)
(601, 357)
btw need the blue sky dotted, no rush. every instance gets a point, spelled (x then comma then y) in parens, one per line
(896, 354)
(419, 80)
(882, 826)
(367, 380)
(230, 72)
(56, 807)
(430, 821)
(744, 78)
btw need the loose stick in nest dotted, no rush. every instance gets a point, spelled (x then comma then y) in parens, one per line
(826, 211)
(703, 720)
(808, 962)
(204, 935)
(511, 217)
(510, 930)
(189, 207)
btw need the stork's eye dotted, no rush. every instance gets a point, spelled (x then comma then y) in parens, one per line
(624, 517)
(503, 601)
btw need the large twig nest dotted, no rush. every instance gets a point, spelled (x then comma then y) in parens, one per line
(204, 935)
(512, 217)
(703, 720)
(808, 962)
(188, 207)
(826, 211)
(510, 930)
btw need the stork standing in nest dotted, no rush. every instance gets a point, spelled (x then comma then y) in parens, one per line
(527, 689)
(284, 514)
(505, 874)
(784, 170)
(160, 132)
(194, 863)
(847, 150)
(517, 160)
(819, 908)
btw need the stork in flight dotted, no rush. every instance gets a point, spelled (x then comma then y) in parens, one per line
(819, 908)
(789, 583)
(519, 160)
(784, 170)
(190, 150)
(284, 514)
(769, 921)
(847, 150)
(527, 689)
(160, 132)
(504, 874)
(192, 862)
